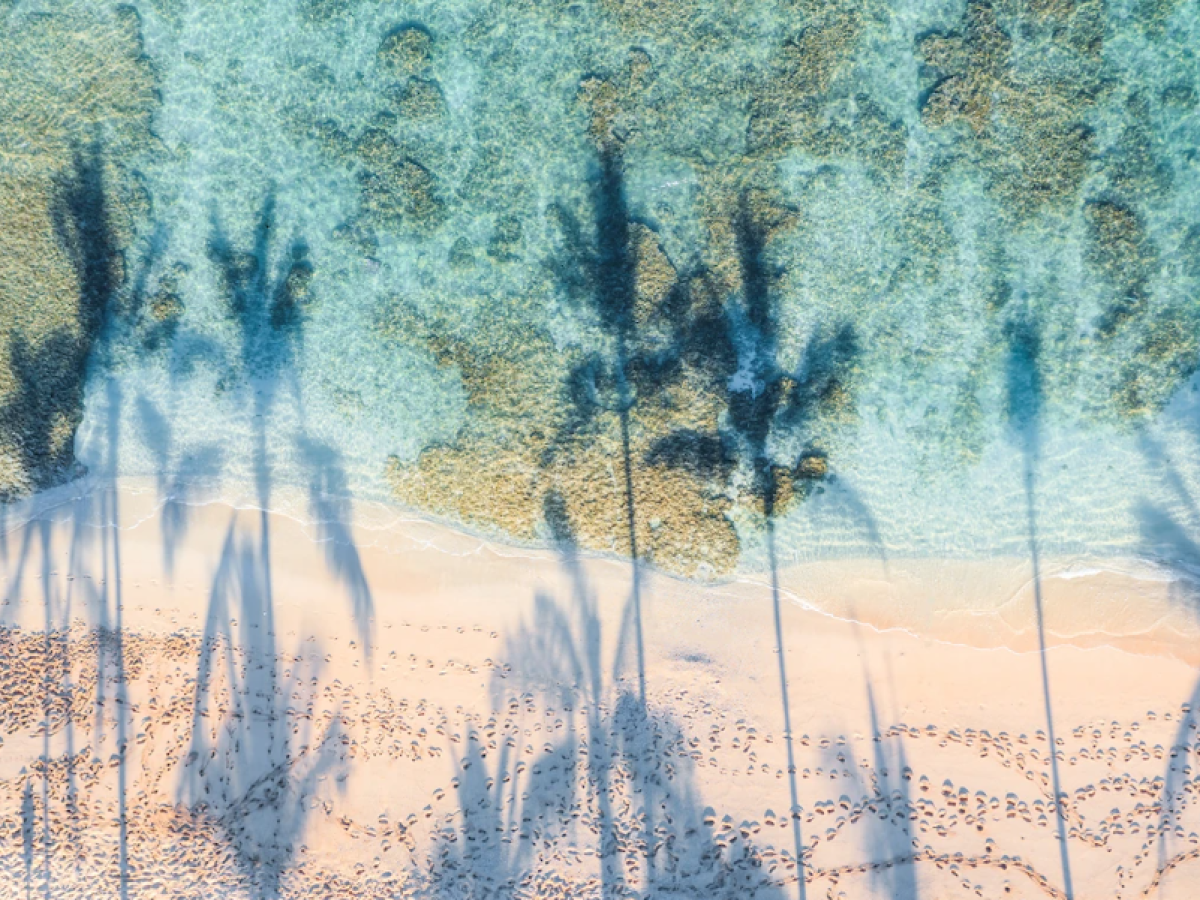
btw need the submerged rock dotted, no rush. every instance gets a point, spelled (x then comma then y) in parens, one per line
(395, 190)
(418, 98)
(1029, 128)
(405, 50)
(506, 240)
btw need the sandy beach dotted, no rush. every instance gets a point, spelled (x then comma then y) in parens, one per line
(209, 702)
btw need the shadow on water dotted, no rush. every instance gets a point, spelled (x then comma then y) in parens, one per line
(603, 272)
(607, 778)
(1025, 406)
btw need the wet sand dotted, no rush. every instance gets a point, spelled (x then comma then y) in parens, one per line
(219, 703)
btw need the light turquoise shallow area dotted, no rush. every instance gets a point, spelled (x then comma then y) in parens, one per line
(932, 257)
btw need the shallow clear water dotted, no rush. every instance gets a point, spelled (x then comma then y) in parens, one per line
(1008, 227)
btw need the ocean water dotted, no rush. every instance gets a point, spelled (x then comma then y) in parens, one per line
(936, 265)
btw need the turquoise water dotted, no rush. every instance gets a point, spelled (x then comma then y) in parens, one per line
(1001, 204)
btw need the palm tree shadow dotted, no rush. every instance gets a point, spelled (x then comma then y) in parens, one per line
(606, 780)
(255, 772)
(764, 398)
(737, 349)
(605, 273)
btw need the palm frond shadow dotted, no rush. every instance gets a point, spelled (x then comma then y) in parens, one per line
(254, 762)
(256, 771)
(330, 507)
(604, 794)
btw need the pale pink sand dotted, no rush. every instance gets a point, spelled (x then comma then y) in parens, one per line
(332, 753)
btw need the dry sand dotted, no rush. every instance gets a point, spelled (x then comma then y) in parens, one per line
(215, 703)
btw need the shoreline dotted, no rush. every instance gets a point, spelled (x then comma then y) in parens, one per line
(1132, 604)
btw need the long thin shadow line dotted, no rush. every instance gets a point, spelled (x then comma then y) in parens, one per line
(902, 884)
(122, 711)
(1158, 457)
(72, 801)
(635, 567)
(1059, 812)
(27, 825)
(631, 524)
(797, 837)
(47, 710)
(113, 523)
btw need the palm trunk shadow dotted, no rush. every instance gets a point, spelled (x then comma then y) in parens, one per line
(1025, 409)
(899, 878)
(48, 691)
(122, 693)
(28, 823)
(615, 286)
(788, 737)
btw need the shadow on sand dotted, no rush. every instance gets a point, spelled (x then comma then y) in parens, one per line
(609, 797)
(254, 766)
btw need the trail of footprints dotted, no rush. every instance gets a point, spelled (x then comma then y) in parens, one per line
(575, 798)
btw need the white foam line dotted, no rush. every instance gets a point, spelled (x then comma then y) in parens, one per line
(1068, 641)
(56, 499)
